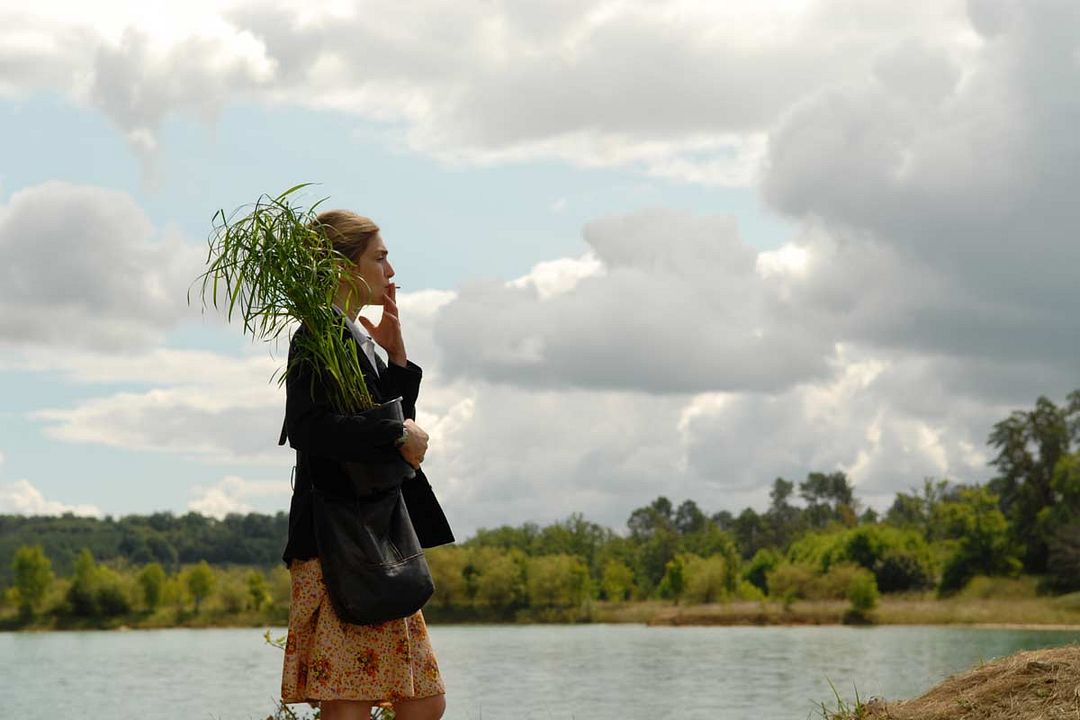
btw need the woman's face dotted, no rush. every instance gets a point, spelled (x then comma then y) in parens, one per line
(374, 269)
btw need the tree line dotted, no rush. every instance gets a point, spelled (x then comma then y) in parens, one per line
(814, 540)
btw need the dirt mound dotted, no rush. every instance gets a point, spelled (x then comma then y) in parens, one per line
(1035, 685)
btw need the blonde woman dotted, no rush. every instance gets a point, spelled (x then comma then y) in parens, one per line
(342, 668)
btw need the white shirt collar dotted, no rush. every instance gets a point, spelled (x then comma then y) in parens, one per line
(367, 344)
(358, 331)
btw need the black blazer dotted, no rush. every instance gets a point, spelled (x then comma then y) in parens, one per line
(323, 439)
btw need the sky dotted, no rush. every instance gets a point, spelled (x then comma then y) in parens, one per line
(646, 248)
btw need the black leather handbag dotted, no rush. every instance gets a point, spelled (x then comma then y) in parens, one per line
(372, 562)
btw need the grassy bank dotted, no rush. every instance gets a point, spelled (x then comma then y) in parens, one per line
(1050, 612)
(1033, 685)
(1062, 612)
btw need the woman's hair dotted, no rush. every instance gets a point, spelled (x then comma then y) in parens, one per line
(349, 233)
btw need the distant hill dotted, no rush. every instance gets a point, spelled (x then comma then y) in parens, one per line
(172, 540)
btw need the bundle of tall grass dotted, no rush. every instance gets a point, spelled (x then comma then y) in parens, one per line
(275, 265)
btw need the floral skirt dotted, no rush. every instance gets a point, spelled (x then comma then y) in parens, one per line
(329, 659)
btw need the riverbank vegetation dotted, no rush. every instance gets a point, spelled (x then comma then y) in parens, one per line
(1004, 552)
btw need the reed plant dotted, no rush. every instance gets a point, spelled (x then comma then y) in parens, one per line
(269, 263)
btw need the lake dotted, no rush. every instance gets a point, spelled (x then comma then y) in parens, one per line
(531, 672)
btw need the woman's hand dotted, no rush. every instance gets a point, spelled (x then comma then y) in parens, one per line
(388, 332)
(415, 446)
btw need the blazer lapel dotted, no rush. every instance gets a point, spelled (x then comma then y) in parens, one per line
(371, 376)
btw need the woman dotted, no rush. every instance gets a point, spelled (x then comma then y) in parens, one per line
(345, 669)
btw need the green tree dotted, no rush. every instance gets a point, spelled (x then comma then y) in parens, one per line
(919, 511)
(152, 581)
(96, 590)
(751, 532)
(674, 581)
(862, 591)
(983, 542)
(257, 589)
(707, 580)
(33, 576)
(447, 566)
(651, 519)
(1061, 525)
(617, 581)
(557, 581)
(830, 497)
(497, 579)
(200, 582)
(653, 555)
(1029, 445)
(689, 518)
(764, 561)
(82, 593)
(783, 521)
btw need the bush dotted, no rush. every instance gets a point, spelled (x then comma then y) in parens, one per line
(32, 571)
(790, 581)
(862, 591)
(748, 591)
(97, 591)
(616, 581)
(673, 583)
(152, 581)
(557, 581)
(705, 580)
(764, 561)
(899, 570)
(111, 596)
(496, 579)
(835, 584)
(447, 566)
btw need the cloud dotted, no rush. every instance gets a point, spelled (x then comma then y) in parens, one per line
(201, 405)
(232, 494)
(665, 302)
(945, 225)
(927, 152)
(83, 267)
(210, 423)
(22, 498)
(675, 89)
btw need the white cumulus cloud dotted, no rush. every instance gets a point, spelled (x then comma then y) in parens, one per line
(22, 498)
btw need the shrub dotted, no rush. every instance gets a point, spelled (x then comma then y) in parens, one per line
(32, 571)
(899, 570)
(834, 585)
(557, 581)
(862, 591)
(617, 580)
(705, 579)
(764, 561)
(152, 582)
(97, 591)
(790, 581)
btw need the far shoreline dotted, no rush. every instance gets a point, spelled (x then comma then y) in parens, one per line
(1040, 613)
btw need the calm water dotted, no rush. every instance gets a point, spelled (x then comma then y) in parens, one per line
(624, 672)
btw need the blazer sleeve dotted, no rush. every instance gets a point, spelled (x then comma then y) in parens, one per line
(312, 425)
(404, 382)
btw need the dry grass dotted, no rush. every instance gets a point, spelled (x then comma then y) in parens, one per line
(817, 612)
(1061, 613)
(1035, 685)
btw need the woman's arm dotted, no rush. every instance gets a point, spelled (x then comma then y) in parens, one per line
(313, 426)
(404, 382)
